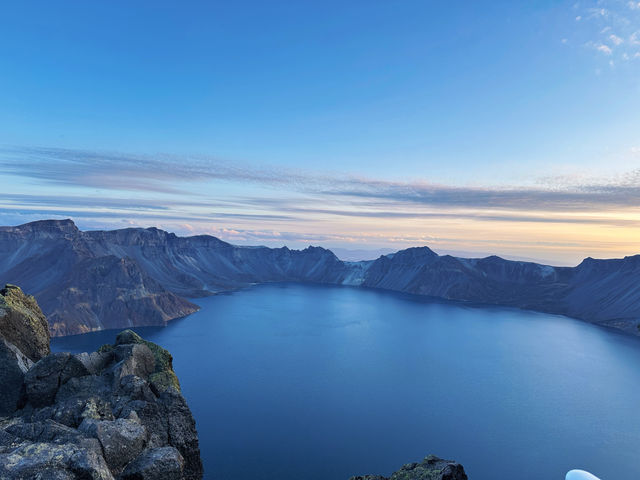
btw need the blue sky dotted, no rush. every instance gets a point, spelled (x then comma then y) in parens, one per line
(488, 127)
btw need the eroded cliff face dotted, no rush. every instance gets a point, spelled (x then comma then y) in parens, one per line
(88, 281)
(431, 468)
(109, 293)
(79, 287)
(114, 413)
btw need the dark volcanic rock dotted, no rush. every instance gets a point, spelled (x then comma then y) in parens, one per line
(96, 416)
(122, 440)
(50, 461)
(13, 366)
(164, 463)
(431, 468)
(43, 379)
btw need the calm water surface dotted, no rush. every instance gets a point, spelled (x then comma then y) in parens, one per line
(304, 382)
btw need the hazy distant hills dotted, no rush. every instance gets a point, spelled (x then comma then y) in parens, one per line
(114, 279)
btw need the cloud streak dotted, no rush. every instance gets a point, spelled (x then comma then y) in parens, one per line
(205, 195)
(177, 175)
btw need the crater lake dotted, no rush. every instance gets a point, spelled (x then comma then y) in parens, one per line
(298, 381)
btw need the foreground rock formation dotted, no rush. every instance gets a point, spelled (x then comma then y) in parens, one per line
(113, 414)
(24, 339)
(94, 280)
(431, 468)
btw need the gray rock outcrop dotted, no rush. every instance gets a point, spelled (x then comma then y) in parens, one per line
(431, 468)
(113, 414)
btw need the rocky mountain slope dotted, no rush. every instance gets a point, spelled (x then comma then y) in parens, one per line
(115, 279)
(431, 468)
(606, 292)
(115, 413)
(96, 280)
(79, 289)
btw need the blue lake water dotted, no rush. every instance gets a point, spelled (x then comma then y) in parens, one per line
(306, 382)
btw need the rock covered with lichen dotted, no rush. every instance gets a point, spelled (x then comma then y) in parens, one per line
(22, 323)
(431, 468)
(24, 339)
(112, 414)
(162, 376)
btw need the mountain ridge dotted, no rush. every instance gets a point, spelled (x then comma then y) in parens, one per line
(90, 280)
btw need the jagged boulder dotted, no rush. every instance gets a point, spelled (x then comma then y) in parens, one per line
(162, 463)
(50, 461)
(162, 377)
(45, 378)
(13, 366)
(431, 468)
(122, 440)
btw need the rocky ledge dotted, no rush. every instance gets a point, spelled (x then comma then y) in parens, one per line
(113, 414)
(431, 468)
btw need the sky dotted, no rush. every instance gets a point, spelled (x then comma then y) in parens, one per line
(475, 128)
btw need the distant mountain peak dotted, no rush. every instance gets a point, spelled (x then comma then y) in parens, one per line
(416, 253)
(65, 225)
(46, 227)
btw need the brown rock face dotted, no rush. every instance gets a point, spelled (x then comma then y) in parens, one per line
(23, 324)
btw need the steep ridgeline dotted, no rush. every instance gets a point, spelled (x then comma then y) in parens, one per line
(606, 292)
(114, 413)
(199, 265)
(96, 280)
(115, 279)
(78, 289)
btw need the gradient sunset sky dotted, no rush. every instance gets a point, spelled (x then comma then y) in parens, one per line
(471, 127)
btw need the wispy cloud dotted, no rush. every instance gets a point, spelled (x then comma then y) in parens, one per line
(603, 48)
(207, 195)
(616, 40)
(609, 27)
(116, 171)
(177, 175)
